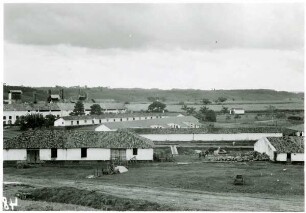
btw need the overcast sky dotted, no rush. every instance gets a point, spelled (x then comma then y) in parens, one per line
(198, 46)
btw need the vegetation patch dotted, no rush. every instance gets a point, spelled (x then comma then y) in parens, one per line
(93, 199)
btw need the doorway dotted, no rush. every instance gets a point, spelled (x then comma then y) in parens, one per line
(33, 155)
(288, 157)
(118, 154)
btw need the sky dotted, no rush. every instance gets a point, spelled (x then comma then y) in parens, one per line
(188, 46)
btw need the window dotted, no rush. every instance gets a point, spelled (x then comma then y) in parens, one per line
(4, 117)
(53, 153)
(145, 117)
(151, 117)
(71, 122)
(100, 121)
(78, 122)
(17, 117)
(93, 121)
(156, 116)
(135, 151)
(127, 119)
(85, 121)
(114, 120)
(120, 119)
(133, 119)
(29, 110)
(83, 152)
(10, 117)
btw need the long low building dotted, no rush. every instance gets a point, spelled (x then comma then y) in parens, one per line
(11, 112)
(165, 122)
(109, 118)
(60, 145)
(283, 149)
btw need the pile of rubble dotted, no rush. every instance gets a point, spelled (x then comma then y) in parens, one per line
(248, 156)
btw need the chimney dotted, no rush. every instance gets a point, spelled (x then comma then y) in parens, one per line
(34, 98)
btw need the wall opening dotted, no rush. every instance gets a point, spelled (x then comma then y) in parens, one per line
(33, 155)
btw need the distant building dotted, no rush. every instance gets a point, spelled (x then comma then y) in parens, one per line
(160, 123)
(60, 145)
(297, 130)
(55, 98)
(14, 96)
(12, 112)
(237, 111)
(106, 118)
(283, 149)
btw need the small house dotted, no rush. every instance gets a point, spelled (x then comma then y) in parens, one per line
(283, 149)
(61, 145)
(237, 111)
(297, 130)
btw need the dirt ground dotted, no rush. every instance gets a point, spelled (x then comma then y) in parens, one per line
(180, 199)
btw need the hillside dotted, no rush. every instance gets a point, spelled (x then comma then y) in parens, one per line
(174, 95)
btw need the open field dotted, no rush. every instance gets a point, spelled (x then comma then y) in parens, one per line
(195, 186)
(247, 107)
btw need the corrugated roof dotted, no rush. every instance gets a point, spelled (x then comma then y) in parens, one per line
(45, 139)
(291, 144)
(182, 121)
(120, 115)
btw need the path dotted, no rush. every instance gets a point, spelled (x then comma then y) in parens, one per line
(179, 198)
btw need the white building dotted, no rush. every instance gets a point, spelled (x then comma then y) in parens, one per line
(108, 118)
(237, 111)
(12, 112)
(60, 145)
(284, 149)
(159, 123)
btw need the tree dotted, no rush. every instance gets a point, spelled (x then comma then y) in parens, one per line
(49, 120)
(190, 110)
(32, 121)
(221, 100)
(78, 109)
(206, 101)
(157, 106)
(95, 109)
(224, 110)
(184, 107)
(203, 109)
(210, 116)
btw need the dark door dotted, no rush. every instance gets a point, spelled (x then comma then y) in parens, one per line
(289, 157)
(118, 154)
(33, 155)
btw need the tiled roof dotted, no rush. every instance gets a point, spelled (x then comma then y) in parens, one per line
(31, 107)
(163, 122)
(291, 144)
(45, 139)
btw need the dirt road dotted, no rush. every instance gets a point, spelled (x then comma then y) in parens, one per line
(179, 198)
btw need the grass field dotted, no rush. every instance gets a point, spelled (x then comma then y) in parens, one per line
(247, 107)
(186, 184)
(261, 177)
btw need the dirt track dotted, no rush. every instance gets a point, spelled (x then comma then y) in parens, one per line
(178, 198)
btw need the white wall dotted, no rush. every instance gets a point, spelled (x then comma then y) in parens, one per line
(209, 137)
(264, 146)
(142, 154)
(14, 154)
(14, 114)
(75, 154)
(281, 157)
(297, 157)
